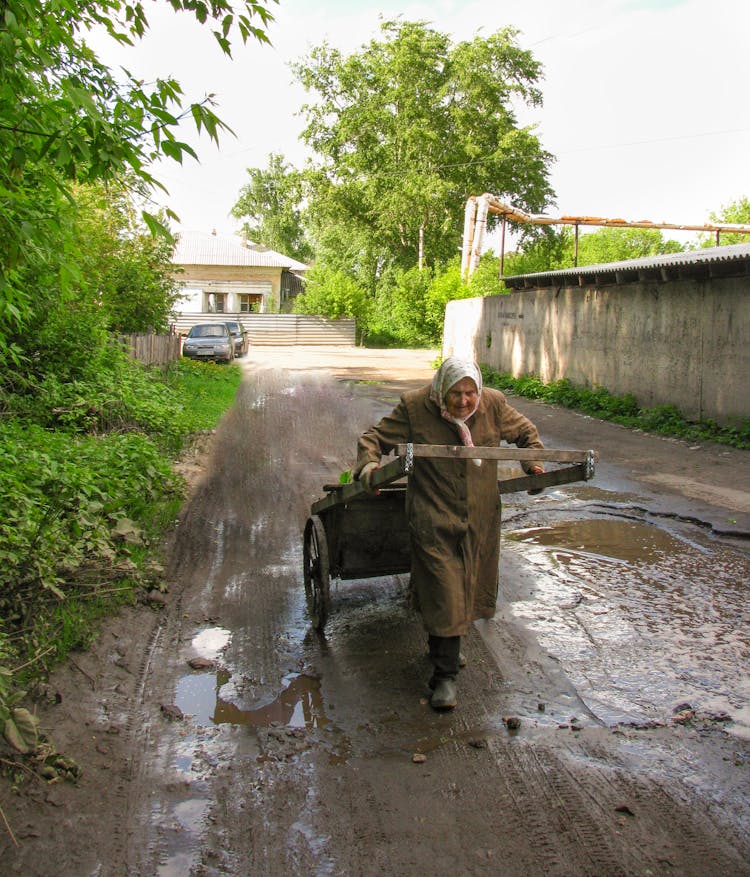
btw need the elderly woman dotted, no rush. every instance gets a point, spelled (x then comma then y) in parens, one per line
(453, 505)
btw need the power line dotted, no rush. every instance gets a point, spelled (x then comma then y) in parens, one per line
(655, 140)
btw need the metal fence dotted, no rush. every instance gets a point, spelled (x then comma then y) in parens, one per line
(282, 329)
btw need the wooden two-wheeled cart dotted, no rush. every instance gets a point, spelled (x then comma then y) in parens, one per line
(354, 534)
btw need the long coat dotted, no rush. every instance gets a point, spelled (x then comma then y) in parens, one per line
(453, 506)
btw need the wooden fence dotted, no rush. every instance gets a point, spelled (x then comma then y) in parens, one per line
(153, 349)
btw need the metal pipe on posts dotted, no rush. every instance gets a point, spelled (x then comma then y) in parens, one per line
(470, 213)
(478, 208)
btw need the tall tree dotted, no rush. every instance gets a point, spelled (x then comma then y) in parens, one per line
(409, 126)
(271, 205)
(65, 116)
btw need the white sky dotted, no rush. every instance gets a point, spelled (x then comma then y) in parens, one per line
(645, 101)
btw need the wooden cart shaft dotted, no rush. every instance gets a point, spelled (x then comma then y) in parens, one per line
(582, 468)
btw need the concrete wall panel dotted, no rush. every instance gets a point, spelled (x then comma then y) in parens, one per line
(683, 343)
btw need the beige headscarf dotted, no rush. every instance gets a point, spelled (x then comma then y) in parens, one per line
(451, 372)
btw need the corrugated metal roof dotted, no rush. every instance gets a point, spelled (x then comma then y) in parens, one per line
(631, 268)
(202, 248)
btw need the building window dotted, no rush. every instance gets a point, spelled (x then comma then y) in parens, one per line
(221, 302)
(250, 304)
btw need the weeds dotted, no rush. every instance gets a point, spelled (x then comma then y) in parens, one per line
(88, 491)
(598, 402)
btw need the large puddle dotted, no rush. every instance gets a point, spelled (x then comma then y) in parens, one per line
(209, 695)
(643, 620)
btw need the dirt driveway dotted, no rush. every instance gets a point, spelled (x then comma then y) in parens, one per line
(218, 734)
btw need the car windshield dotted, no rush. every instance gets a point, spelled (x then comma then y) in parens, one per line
(234, 327)
(212, 331)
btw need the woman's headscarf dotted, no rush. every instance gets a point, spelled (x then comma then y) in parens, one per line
(451, 372)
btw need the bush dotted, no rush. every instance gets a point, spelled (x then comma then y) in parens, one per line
(87, 491)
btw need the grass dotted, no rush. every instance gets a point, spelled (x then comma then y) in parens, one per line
(599, 402)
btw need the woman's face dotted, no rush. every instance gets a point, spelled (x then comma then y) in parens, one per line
(461, 399)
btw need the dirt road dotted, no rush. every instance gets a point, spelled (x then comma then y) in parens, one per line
(219, 735)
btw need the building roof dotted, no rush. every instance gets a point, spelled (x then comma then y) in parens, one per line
(707, 262)
(202, 248)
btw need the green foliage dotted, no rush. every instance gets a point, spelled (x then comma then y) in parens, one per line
(736, 213)
(549, 249)
(598, 402)
(486, 278)
(333, 293)
(271, 206)
(87, 491)
(398, 153)
(106, 392)
(409, 307)
(124, 268)
(66, 117)
(619, 244)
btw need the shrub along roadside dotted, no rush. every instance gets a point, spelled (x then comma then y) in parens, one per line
(598, 402)
(88, 493)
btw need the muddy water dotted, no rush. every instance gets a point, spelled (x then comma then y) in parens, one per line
(645, 619)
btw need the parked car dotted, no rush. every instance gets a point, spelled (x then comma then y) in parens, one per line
(209, 341)
(241, 341)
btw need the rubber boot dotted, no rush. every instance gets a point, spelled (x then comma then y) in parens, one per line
(444, 655)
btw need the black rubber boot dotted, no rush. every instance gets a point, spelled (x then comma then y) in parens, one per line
(444, 655)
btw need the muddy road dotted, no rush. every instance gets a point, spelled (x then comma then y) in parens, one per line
(218, 734)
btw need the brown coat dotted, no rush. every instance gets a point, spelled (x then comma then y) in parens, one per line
(453, 506)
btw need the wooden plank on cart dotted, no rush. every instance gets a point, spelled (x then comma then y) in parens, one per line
(566, 475)
(387, 474)
(552, 455)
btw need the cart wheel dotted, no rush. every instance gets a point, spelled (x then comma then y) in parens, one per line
(316, 572)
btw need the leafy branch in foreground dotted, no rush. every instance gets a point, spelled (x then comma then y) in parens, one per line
(66, 117)
(598, 402)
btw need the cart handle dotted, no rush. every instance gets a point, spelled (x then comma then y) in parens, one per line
(553, 455)
(583, 469)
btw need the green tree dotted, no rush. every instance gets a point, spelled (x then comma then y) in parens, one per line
(332, 293)
(552, 249)
(271, 204)
(737, 213)
(65, 116)
(125, 269)
(620, 244)
(547, 250)
(404, 129)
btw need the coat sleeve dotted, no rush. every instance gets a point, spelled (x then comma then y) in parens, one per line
(393, 429)
(518, 430)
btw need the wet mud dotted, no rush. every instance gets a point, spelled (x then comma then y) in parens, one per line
(603, 722)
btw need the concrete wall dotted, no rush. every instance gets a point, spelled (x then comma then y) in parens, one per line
(683, 343)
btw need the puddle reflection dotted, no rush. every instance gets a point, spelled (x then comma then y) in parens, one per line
(299, 705)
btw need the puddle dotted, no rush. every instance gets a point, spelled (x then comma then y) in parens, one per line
(205, 697)
(642, 619)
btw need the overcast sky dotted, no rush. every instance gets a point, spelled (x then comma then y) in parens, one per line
(645, 101)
